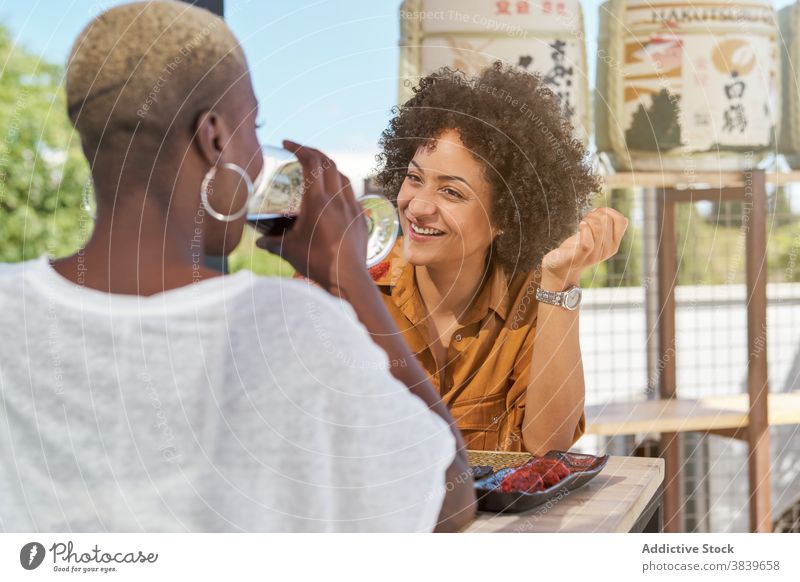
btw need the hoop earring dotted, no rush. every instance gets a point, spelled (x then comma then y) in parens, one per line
(87, 207)
(204, 193)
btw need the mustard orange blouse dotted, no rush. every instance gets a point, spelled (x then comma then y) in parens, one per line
(489, 357)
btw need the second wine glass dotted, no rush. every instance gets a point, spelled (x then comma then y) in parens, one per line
(278, 196)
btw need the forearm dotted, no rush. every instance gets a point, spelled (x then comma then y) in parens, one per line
(556, 390)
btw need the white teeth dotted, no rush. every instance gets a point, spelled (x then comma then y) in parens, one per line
(428, 231)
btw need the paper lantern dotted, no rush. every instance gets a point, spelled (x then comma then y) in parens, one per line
(545, 37)
(685, 86)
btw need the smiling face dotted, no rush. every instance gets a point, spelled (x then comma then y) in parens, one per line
(445, 205)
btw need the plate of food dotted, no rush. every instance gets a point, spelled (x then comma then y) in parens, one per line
(535, 481)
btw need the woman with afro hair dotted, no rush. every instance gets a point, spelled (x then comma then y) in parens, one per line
(491, 187)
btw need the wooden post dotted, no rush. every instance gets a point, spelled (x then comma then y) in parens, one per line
(650, 235)
(667, 361)
(755, 195)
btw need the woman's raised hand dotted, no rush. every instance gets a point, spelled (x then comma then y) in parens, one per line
(598, 238)
(328, 241)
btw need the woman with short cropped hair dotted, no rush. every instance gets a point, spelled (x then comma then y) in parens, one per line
(142, 391)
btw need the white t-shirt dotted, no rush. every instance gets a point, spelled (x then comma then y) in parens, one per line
(240, 403)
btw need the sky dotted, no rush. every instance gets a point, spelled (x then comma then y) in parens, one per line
(325, 72)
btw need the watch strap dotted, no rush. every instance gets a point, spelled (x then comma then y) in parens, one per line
(559, 298)
(550, 297)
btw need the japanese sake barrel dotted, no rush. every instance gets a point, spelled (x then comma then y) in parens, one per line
(687, 85)
(542, 36)
(789, 133)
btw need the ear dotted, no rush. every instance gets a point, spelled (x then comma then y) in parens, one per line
(210, 136)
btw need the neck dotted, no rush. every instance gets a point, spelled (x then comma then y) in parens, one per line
(138, 248)
(450, 288)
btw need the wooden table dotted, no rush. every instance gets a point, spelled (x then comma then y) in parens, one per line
(624, 497)
(711, 414)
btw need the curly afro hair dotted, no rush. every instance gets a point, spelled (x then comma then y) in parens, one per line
(513, 124)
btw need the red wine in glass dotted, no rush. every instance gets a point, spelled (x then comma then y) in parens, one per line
(277, 197)
(271, 224)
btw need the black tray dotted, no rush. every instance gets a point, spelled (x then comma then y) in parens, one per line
(480, 471)
(583, 468)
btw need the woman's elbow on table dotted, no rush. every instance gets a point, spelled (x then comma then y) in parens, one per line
(538, 444)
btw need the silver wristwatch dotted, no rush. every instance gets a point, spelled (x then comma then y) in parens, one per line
(569, 299)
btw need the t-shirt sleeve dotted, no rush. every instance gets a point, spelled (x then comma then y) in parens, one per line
(409, 446)
(379, 454)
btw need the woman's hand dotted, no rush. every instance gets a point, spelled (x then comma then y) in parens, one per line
(328, 241)
(598, 238)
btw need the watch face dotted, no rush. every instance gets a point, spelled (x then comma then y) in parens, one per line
(573, 298)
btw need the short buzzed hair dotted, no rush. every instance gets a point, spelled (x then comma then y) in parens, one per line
(140, 66)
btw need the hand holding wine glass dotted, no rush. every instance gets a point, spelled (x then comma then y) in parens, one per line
(328, 240)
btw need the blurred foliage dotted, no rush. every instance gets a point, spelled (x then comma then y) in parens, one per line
(248, 256)
(711, 243)
(42, 169)
(624, 268)
(780, 207)
(712, 248)
(783, 253)
(729, 214)
(708, 253)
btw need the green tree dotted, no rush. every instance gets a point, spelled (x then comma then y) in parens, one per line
(42, 170)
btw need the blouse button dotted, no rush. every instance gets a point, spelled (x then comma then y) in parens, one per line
(458, 337)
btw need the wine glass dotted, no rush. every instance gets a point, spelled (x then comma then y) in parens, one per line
(278, 194)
